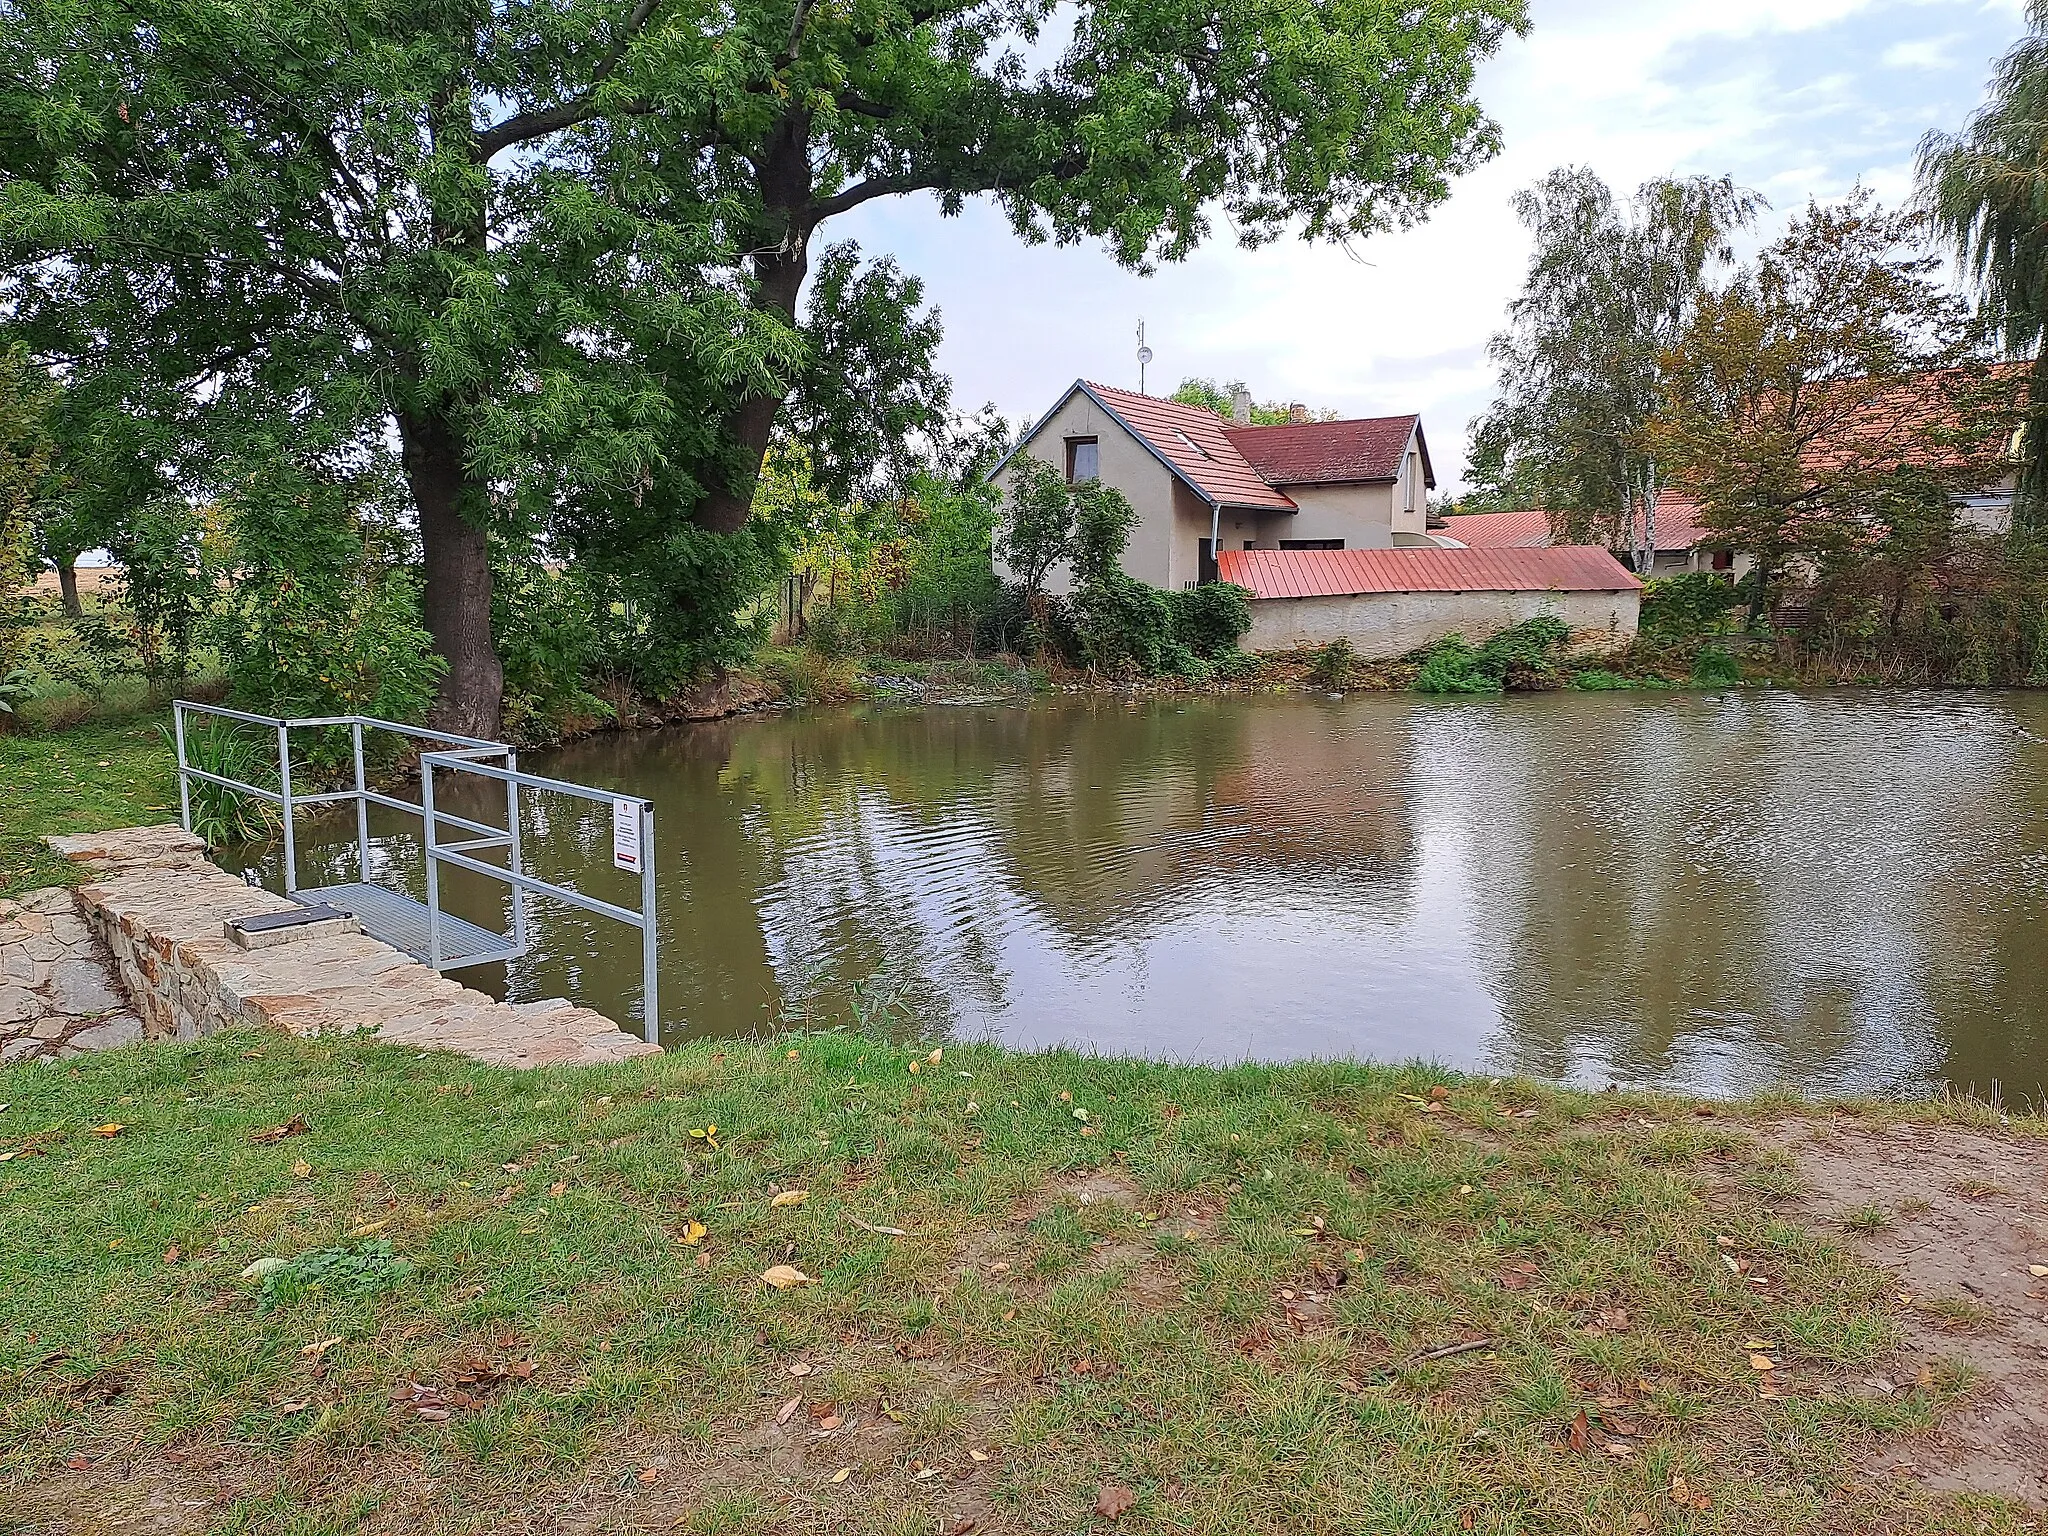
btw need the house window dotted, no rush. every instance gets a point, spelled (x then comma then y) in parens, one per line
(1724, 559)
(1082, 463)
(1311, 543)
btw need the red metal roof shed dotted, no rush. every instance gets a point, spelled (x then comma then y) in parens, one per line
(1268, 573)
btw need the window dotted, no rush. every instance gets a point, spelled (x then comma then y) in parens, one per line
(1311, 543)
(1197, 447)
(1082, 463)
(1724, 559)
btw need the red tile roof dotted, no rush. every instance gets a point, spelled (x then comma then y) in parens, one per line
(1499, 530)
(1347, 572)
(1329, 452)
(1193, 442)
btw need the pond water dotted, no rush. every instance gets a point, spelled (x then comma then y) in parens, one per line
(1840, 891)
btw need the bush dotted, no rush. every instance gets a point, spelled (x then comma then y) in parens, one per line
(1335, 666)
(1211, 619)
(1599, 680)
(1123, 624)
(1715, 668)
(550, 627)
(1524, 658)
(1679, 607)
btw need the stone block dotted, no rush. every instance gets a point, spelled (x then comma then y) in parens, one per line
(51, 1028)
(80, 987)
(15, 1052)
(18, 1004)
(121, 1029)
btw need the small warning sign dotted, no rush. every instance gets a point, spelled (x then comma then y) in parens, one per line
(626, 834)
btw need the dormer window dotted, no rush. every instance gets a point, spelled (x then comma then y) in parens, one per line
(1082, 461)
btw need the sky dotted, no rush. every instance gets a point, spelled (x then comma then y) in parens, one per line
(1797, 99)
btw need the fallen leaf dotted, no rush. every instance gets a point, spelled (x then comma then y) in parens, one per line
(1113, 1499)
(1680, 1493)
(800, 1368)
(973, 1455)
(648, 1475)
(172, 1254)
(842, 1474)
(557, 1189)
(1762, 1363)
(77, 1463)
(830, 1422)
(110, 1129)
(296, 1126)
(302, 1169)
(936, 1056)
(291, 1408)
(784, 1413)
(315, 1350)
(791, 1197)
(783, 1276)
(369, 1226)
(268, 1264)
(693, 1234)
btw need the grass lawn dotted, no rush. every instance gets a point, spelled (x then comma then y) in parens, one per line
(1308, 1299)
(87, 778)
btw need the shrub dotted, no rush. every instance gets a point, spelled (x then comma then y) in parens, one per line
(1335, 666)
(1524, 657)
(1679, 607)
(1599, 680)
(1715, 668)
(1211, 619)
(1123, 624)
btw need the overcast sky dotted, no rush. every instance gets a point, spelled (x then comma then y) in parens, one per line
(1796, 98)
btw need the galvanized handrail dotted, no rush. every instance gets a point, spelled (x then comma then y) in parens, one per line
(458, 754)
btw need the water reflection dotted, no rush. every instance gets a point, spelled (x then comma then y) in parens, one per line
(1841, 891)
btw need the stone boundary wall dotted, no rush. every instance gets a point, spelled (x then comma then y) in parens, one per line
(1383, 625)
(159, 906)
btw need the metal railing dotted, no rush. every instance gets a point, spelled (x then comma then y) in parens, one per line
(447, 752)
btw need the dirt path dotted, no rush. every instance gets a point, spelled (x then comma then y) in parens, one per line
(1961, 1217)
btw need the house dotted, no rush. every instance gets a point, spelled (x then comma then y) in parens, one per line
(1682, 543)
(1202, 485)
(1389, 602)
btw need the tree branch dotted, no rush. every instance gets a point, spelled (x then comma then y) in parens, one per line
(524, 127)
(866, 191)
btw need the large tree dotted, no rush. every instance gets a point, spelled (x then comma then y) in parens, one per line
(1832, 404)
(1987, 192)
(555, 251)
(1609, 286)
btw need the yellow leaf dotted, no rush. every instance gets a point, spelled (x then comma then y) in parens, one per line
(315, 1350)
(370, 1226)
(694, 1233)
(783, 1276)
(302, 1169)
(1762, 1363)
(791, 1197)
(111, 1128)
(842, 1474)
(936, 1056)
(917, 1066)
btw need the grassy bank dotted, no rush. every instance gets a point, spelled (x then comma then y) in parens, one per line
(115, 772)
(1318, 1298)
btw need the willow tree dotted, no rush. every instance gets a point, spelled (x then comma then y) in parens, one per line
(1986, 190)
(1609, 287)
(556, 251)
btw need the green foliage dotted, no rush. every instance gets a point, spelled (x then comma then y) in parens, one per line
(1211, 619)
(1680, 607)
(1609, 287)
(553, 627)
(17, 687)
(166, 587)
(367, 1269)
(949, 581)
(320, 613)
(1036, 530)
(1599, 680)
(1335, 667)
(1525, 657)
(1123, 625)
(221, 816)
(1715, 668)
(1210, 396)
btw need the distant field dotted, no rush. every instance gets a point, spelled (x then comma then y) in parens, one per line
(91, 580)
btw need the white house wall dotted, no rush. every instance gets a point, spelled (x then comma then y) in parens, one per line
(1124, 463)
(1383, 625)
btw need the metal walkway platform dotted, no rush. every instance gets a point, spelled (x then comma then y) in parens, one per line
(401, 922)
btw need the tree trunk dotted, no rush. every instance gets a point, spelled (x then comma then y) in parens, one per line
(458, 568)
(67, 584)
(782, 261)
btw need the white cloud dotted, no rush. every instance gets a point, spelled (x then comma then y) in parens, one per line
(1795, 97)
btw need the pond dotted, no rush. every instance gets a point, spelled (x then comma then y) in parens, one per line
(1840, 891)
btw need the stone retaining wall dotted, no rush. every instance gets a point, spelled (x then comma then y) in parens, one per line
(159, 906)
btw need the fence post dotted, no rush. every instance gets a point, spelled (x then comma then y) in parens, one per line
(650, 984)
(362, 805)
(284, 785)
(433, 867)
(184, 782)
(513, 856)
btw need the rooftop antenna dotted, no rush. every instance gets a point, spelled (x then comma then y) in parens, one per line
(1144, 355)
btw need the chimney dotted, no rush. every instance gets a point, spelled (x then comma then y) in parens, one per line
(1297, 413)
(1240, 405)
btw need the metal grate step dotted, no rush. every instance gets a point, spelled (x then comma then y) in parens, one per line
(401, 922)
